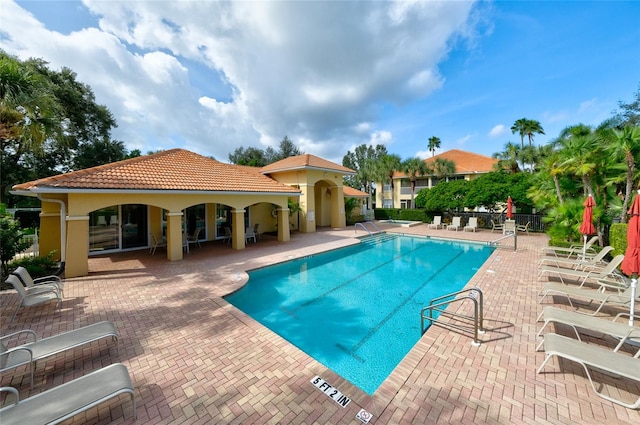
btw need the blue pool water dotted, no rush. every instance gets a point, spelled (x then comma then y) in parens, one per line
(357, 309)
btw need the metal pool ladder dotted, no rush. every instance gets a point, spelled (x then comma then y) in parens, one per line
(440, 304)
(377, 229)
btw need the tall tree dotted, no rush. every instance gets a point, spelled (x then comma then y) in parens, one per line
(434, 143)
(250, 156)
(508, 158)
(532, 128)
(629, 114)
(286, 148)
(414, 168)
(443, 168)
(363, 160)
(386, 168)
(624, 147)
(520, 127)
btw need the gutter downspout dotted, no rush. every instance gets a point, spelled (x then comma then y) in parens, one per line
(63, 231)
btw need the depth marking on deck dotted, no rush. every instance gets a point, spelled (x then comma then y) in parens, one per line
(331, 391)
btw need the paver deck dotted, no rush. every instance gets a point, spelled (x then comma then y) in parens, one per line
(195, 359)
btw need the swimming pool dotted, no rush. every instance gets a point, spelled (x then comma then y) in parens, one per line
(357, 309)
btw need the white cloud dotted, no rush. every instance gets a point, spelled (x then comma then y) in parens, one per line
(318, 72)
(498, 130)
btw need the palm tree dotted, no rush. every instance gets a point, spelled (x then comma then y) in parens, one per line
(414, 168)
(443, 168)
(532, 127)
(520, 127)
(386, 168)
(580, 154)
(434, 143)
(624, 146)
(508, 159)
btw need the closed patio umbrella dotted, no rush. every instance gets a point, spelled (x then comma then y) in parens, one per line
(631, 262)
(587, 228)
(509, 208)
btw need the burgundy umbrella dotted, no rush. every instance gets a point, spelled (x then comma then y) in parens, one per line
(586, 228)
(509, 208)
(631, 262)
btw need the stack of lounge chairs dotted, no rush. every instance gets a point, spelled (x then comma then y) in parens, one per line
(24, 348)
(591, 285)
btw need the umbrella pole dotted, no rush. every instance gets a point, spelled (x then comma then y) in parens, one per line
(634, 283)
(584, 248)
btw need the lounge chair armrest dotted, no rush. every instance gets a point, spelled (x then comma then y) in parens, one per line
(14, 334)
(612, 284)
(44, 279)
(13, 391)
(19, 362)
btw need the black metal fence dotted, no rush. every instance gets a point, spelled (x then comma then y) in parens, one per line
(484, 219)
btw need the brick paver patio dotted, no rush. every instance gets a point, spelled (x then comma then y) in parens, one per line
(196, 359)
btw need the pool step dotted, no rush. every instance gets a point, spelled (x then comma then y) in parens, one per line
(378, 238)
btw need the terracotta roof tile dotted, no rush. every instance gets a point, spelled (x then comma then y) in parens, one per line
(354, 193)
(305, 161)
(175, 169)
(466, 162)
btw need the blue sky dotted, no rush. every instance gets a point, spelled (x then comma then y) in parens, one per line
(214, 76)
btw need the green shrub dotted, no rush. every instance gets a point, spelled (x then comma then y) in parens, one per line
(413, 215)
(37, 266)
(618, 238)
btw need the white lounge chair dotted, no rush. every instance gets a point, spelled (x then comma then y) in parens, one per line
(496, 226)
(620, 330)
(250, 234)
(472, 224)
(51, 281)
(523, 228)
(69, 399)
(437, 223)
(620, 298)
(38, 349)
(572, 250)
(576, 263)
(607, 272)
(155, 243)
(455, 224)
(588, 355)
(35, 297)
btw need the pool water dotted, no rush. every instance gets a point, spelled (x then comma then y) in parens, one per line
(356, 310)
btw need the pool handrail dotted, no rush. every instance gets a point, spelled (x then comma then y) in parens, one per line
(474, 294)
(513, 235)
(378, 230)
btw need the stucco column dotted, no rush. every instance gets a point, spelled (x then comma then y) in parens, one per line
(284, 230)
(49, 237)
(308, 205)
(338, 220)
(237, 229)
(174, 236)
(77, 263)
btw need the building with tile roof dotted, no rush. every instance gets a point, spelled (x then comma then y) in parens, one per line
(175, 193)
(468, 166)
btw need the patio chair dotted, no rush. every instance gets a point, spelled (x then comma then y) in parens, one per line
(509, 226)
(588, 355)
(620, 330)
(607, 272)
(437, 223)
(525, 228)
(455, 224)
(156, 243)
(227, 234)
(29, 299)
(596, 262)
(255, 230)
(51, 281)
(496, 226)
(607, 295)
(194, 239)
(472, 224)
(69, 399)
(38, 349)
(249, 234)
(575, 249)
